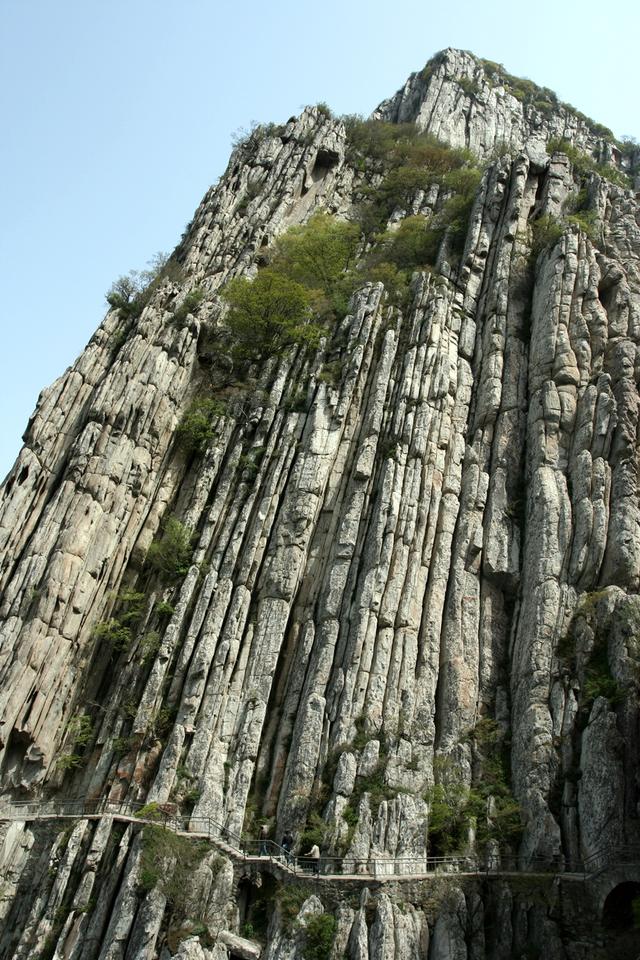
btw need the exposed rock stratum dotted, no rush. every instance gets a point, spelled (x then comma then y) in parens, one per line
(394, 604)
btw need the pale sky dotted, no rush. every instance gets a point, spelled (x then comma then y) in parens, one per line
(117, 115)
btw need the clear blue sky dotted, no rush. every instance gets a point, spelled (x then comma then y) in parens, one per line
(118, 114)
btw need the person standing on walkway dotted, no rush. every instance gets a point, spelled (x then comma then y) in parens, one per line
(264, 836)
(287, 843)
(314, 858)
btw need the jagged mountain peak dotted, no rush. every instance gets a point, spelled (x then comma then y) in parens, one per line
(467, 101)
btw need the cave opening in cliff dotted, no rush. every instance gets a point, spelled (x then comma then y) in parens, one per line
(255, 899)
(622, 906)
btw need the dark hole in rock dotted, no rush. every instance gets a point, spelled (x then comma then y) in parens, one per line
(22, 476)
(325, 161)
(618, 912)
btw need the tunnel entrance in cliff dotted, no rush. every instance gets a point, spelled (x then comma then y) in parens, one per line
(256, 899)
(622, 907)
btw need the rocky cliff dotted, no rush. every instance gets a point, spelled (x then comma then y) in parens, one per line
(376, 587)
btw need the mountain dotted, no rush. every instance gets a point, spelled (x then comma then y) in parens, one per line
(333, 527)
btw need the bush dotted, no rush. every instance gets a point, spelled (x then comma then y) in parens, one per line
(150, 811)
(130, 293)
(583, 164)
(114, 633)
(413, 244)
(195, 430)
(545, 233)
(69, 761)
(452, 804)
(315, 832)
(164, 609)
(318, 253)
(290, 899)
(189, 305)
(170, 553)
(134, 604)
(319, 934)
(81, 730)
(414, 162)
(149, 646)
(598, 679)
(268, 315)
(169, 861)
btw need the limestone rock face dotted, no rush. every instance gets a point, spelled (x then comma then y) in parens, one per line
(405, 616)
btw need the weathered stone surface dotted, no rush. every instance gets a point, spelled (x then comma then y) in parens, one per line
(425, 532)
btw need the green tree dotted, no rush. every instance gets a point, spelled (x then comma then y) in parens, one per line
(196, 429)
(170, 553)
(267, 315)
(318, 253)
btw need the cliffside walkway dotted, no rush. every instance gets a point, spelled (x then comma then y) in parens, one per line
(262, 852)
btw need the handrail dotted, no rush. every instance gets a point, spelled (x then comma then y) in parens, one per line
(340, 867)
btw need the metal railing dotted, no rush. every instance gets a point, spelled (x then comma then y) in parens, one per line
(346, 867)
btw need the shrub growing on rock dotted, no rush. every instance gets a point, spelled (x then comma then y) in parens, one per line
(319, 934)
(268, 315)
(170, 553)
(196, 429)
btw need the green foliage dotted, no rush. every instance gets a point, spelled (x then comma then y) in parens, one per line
(268, 315)
(80, 730)
(448, 815)
(69, 761)
(362, 736)
(489, 800)
(587, 222)
(117, 632)
(542, 98)
(318, 253)
(319, 934)
(545, 233)
(130, 293)
(163, 722)
(164, 609)
(290, 899)
(189, 305)
(114, 633)
(170, 553)
(196, 429)
(396, 282)
(375, 785)
(254, 135)
(583, 164)
(249, 463)
(418, 164)
(168, 861)
(470, 86)
(324, 110)
(315, 832)
(122, 745)
(331, 373)
(373, 139)
(133, 606)
(150, 811)
(411, 162)
(596, 677)
(456, 212)
(413, 244)
(149, 645)
(598, 680)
